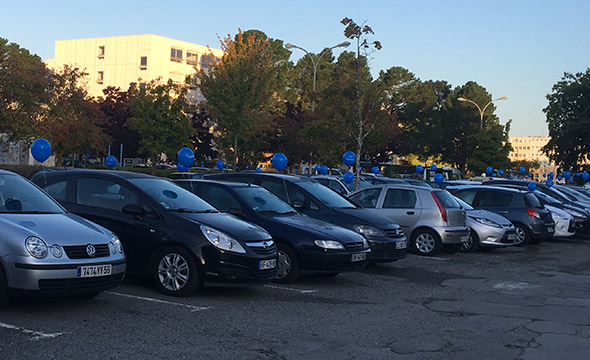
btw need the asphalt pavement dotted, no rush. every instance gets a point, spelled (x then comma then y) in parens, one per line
(511, 303)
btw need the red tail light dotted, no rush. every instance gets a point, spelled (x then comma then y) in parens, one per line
(534, 213)
(441, 208)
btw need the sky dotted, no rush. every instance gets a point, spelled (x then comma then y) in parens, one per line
(513, 48)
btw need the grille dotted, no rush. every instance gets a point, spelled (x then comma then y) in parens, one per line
(80, 285)
(394, 233)
(355, 245)
(259, 248)
(79, 251)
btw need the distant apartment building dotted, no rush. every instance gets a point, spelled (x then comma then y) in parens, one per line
(120, 60)
(530, 148)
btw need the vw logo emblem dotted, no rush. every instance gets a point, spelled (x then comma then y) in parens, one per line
(267, 245)
(90, 250)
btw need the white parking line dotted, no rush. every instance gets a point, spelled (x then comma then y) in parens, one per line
(37, 335)
(193, 308)
(434, 258)
(301, 291)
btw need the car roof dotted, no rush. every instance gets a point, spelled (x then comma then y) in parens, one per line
(294, 178)
(479, 186)
(230, 184)
(77, 171)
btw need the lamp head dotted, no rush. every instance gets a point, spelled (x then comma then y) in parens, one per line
(290, 46)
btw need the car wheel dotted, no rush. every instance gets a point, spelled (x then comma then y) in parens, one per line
(175, 272)
(288, 266)
(426, 242)
(4, 296)
(472, 243)
(522, 235)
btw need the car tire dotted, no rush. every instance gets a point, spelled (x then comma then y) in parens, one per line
(523, 237)
(175, 272)
(4, 295)
(426, 242)
(472, 244)
(287, 265)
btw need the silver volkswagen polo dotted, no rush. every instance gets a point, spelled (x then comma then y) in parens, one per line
(48, 251)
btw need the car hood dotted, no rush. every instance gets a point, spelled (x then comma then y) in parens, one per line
(360, 216)
(229, 224)
(63, 229)
(320, 229)
(485, 214)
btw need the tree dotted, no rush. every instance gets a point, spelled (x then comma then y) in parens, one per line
(241, 89)
(73, 123)
(202, 138)
(24, 90)
(160, 118)
(365, 106)
(568, 120)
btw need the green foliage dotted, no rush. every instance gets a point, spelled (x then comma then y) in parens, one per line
(568, 120)
(160, 118)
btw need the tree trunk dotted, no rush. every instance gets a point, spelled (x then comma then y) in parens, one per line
(235, 151)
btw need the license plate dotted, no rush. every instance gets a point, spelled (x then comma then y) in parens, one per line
(550, 229)
(400, 245)
(358, 257)
(94, 270)
(464, 238)
(511, 236)
(267, 264)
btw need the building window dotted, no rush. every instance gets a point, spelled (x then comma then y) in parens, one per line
(100, 77)
(175, 55)
(192, 58)
(143, 63)
(101, 52)
(205, 61)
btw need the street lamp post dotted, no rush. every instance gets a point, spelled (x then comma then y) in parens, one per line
(315, 62)
(481, 111)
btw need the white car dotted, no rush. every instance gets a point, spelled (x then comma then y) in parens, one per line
(564, 222)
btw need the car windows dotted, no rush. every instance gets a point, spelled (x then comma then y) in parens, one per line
(219, 197)
(493, 199)
(57, 190)
(399, 198)
(275, 186)
(296, 194)
(367, 198)
(446, 199)
(104, 194)
(18, 195)
(468, 196)
(531, 200)
(336, 186)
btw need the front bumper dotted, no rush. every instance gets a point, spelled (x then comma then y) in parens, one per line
(494, 236)
(316, 259)
(223, 268)
(387, 249)
(564, 228)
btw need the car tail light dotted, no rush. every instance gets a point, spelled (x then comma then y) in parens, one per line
(534, 213)
(441, 208)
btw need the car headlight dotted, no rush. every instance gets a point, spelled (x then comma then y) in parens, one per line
(115, 245)
(368, 230)
(56, 250)
(487, 222)
(365, 244)
(221, 240)
(329, 244)
(36, 247)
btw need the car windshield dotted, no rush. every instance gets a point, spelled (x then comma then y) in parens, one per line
(463, 204)
(171, 196)
(263, 201)
(562, 195)
(18, 195)
(575, 193)
(546, 198)
(328, 197)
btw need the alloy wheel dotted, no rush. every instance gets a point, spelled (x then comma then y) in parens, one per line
(284, 265)
(425, 243)
(520, 235)
(173, 272)
(466, 246)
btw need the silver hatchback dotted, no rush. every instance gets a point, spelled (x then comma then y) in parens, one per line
(46, 250)
(429, 217)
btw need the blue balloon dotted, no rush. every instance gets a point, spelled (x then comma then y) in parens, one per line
(494, 175)
(578, 174)
(549, 183)
(375, 170)
(348, 177)
(439, 178)
(571, 180)
(181, 167)
(88, 155)
(522, 170)
(258, 170)
(419, 169)
(186, 157)
(489, 170)
(530, 175)
(532, 186)
(348, 158)
(551, 175)
(220, 164)
(544, 175)
(558, 177)
(511, 177)
(433, 167)
(279, 161)
(111, 161)
(202, 164)
(585, 176)
(318, 167)
(500, 172)
(323, 170)
(41, 150)
(567, 175)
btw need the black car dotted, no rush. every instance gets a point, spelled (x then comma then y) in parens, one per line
(531, 220)
(386, 238)
(304, 244)
(167, 232)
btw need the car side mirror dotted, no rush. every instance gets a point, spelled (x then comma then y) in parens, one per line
(298, 204)
(133, 209)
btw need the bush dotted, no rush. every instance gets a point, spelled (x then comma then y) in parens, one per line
(23, 170)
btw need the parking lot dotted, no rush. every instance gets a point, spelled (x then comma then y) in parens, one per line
(512, 303)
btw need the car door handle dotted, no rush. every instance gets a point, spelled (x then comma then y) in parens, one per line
(503, 212)
(410, 213)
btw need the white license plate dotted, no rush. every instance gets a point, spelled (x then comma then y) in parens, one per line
(267, 264)
(358, 257)
(511, 236)
(464, 238)
(94, 270)
(550, 229)
(400, 245)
